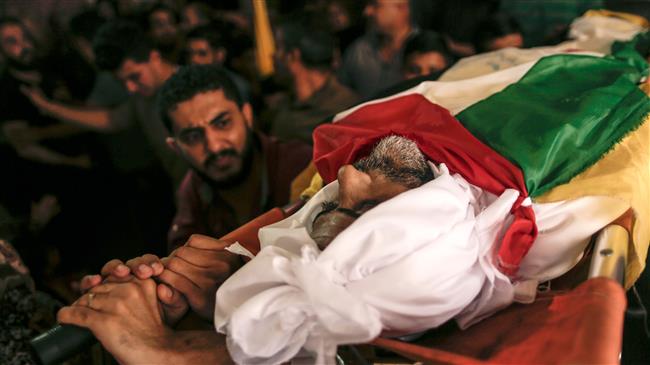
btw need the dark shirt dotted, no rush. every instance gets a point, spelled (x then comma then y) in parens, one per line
(143, 111)
(363, 69)
(25, 180)
(296, 120)
(202, 210)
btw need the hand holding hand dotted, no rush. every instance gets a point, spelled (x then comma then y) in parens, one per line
(174, 305)
(197, 269)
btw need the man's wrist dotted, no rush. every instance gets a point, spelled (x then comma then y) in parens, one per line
(197, 347)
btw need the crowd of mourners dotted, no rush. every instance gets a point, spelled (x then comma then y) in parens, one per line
(107, 151)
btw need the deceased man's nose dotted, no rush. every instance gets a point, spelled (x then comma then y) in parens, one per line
(353, 184)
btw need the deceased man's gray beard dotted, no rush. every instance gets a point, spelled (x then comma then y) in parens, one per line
(400, 160)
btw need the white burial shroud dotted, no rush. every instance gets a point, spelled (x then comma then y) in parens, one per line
(407, 265)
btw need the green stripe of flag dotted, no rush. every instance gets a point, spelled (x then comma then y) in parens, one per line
(561, 117)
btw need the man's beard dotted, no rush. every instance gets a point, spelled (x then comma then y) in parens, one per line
(399, 159)
(237, 177)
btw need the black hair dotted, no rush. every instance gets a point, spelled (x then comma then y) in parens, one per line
(498, 25)
(316, 46)
(86, 24)
(426, 41)
(119, 40)
(11, 20)
(459, 19)
(189, 81)
(210, 33)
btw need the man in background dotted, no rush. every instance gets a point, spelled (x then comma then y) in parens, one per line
(374, 61)
(123, 48)
(206, 46)
(307, 56)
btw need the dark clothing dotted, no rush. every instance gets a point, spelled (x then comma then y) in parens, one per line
(202, 210)
(32, 179)
(296, 120)
(363, 69)
(143, 111)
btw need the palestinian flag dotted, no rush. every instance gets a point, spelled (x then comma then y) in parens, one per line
(566, 126)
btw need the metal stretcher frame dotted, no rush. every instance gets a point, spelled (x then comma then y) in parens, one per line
(568, 324)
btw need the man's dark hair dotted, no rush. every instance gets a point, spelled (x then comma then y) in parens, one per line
(10, 20)
(119, 40)
(86, 24)
(189, 81)
(316, 46)
(210, 33)
(426, 41)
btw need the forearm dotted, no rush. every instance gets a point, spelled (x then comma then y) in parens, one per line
(198, 347)
(94, 118)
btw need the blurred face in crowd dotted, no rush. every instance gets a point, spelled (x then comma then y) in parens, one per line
(422, 64)
(17, 46)
(141, 77)
(394, 166)
(388, 15)
(163, 27)
(191, 17)
(509, 40)
(199, 52)
(339, 18)
(213, 134)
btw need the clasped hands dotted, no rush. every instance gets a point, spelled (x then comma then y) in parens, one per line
(187, 278)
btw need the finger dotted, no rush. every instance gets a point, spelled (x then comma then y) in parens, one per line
(174, 304)
(99, 289)
(118, 279)
(96, 301)
(206, 243)
(192, 272)
(145, 266)
(217, 270)
(89, 281)
(104, 288)
(170, 297)
(115, 267)
(155, 264)
(180, 283)
(197, 257)
(79, 316)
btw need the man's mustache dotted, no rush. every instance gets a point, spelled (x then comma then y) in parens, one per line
(213, 157)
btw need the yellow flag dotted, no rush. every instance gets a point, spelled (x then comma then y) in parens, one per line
(264, 43)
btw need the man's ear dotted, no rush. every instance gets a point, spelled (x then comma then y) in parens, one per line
(247, 110)
(220, 55)
(171, 143)
(154, 56)
(294, 55)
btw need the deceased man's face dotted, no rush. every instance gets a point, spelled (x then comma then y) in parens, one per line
(394, 166)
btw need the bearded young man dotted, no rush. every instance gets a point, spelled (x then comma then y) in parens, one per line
(236, 173)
